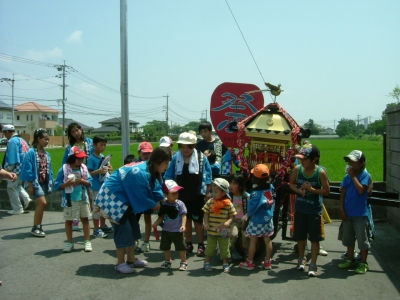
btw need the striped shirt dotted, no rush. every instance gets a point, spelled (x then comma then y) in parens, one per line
(216, 220)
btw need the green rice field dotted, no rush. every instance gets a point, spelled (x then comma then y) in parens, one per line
(332, 152)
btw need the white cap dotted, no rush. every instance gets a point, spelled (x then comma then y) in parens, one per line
(8, 127)
(165, 141)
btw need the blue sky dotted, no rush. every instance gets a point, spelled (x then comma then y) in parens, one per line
(334, 59)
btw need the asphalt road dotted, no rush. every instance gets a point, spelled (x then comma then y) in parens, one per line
(36, 268)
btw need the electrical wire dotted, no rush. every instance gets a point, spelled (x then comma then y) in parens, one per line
(245, 40)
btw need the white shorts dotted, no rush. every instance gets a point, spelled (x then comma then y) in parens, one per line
(78, 210)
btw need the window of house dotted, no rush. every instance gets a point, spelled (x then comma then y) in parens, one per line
(31, 117)
(9, 116)
(1, 115)
(27, 117)
(18, 117)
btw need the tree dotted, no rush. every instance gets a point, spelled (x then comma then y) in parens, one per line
(194, 125)
(314, 128)
(346, 127)
(31, 127)
(58, 131)
(395, 93)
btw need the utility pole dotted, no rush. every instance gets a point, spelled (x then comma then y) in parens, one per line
(205, 115)
(166, 130)
(62, 68)
(125, 126)
(12, 93)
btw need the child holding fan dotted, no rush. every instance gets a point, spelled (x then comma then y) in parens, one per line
(75, 179)
(260, 211)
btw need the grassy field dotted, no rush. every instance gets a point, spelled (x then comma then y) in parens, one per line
(332, 152)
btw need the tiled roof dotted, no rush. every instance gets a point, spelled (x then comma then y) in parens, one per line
(33, 106)
(5, 106)
(116, 120)
(106, 129)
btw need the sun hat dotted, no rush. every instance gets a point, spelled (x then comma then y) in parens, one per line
(78, 152)
(145, 147)
(166, 141)
(260, 171)
(222, 183)
(355, 155)
(170, 186)
(308, 151)
(187, 138)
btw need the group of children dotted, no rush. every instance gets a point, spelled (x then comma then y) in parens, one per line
(229, 210)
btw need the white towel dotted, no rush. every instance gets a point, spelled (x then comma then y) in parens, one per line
(193, 163)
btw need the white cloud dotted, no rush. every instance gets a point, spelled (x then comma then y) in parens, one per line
(89, 88)
(42, 55)
(75, 37)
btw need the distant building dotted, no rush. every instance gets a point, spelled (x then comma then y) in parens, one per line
(33, 116)
(6, 117)
(329, 131)
(114, 125)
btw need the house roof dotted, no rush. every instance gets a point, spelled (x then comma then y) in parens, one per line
(69, 121)
(116, 120)
(33, 106)
(106, 129)
(5, 106)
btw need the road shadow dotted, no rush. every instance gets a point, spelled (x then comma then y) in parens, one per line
(108, 271)
(49, 253)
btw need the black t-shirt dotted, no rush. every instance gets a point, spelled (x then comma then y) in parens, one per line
(204, 145)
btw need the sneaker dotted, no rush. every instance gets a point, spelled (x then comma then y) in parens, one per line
(362, 268)
(138, 263)
(99, 233)
(145, 247)
(13, 212)
(347, 264)
(200, 251)
(137, 244)
(68, 247)
(124, 269)
(75, 224)
(312, 270)
(226, 268)
(166, 265)
(236, 256)
(248, 265)
(37, 231)
(28, 204)
(107, 229)
(189, 248)
(357, 256)
(207, 267)
(267, 264)
(322, 252)
(88, 246)
(301, 263)
(183, 266)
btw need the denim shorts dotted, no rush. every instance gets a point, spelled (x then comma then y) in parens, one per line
(41, 191)
(127, 232)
